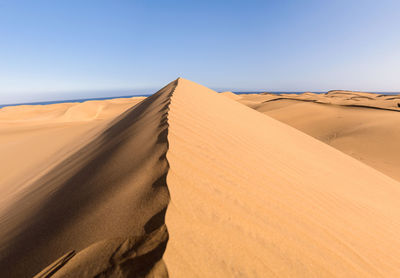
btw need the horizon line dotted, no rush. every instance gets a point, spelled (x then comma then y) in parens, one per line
(84, 99)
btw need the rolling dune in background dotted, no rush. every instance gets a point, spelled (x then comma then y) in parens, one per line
(90, 190)
(363, 125)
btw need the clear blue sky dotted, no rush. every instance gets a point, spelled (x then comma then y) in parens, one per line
(66, 49)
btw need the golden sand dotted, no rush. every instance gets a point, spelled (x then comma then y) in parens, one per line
(89, 190)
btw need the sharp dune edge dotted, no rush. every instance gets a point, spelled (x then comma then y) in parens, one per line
(251, 196)
(101, 210)
(242, 195)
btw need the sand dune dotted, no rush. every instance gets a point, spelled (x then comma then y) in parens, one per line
(66, 112)
(369, 131)
(252, 197)
(242, 195)
(342, 98)
(101, 204)
(35, 137)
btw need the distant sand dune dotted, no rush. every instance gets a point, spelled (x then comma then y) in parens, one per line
(368, 130)
(66, 112)
(242, 194)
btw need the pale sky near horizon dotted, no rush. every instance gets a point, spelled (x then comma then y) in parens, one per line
(68, 49)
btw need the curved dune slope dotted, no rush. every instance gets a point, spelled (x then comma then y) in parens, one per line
(369, 132)
(100, 210)
(337, 98)
(253, 197)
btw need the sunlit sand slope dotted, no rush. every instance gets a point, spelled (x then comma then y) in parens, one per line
(253, 197)
(363, 125)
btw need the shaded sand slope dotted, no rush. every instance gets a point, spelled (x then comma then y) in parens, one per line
(369, 135)
(101, 209)
(253, 197)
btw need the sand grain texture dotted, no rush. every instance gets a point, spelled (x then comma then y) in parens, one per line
(252, 197)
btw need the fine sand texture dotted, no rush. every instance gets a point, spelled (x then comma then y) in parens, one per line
(242, 194)
(253, 197)
(365, 126)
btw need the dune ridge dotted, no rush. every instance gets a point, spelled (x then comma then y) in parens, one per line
(253, 197)
(328, 103)
(104, 205)
(337, 97)
(247, 196)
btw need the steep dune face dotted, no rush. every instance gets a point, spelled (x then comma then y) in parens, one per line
(252, 197)
(366, 132)
(101, 209)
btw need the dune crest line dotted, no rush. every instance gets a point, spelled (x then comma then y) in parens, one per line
(101, 211)
(247, 196)
(254, 197)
